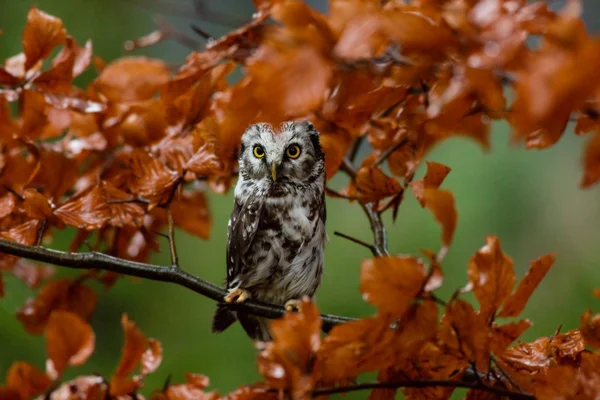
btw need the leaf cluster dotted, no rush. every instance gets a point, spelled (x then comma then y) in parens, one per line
(135, 152)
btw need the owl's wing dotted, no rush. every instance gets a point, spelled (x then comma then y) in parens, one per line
(242, 228)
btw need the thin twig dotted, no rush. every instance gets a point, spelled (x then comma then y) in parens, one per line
(355, 148)
(355, 240)
(179, 277)
(422, 384)
(172, 248)
(390, 150)
(40, 232)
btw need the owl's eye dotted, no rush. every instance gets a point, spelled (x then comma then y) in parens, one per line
(258, 152)
(293, 151)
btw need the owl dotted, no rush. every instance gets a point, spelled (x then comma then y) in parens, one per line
(276, 232)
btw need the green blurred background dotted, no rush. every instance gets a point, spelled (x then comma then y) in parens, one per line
(530, 199)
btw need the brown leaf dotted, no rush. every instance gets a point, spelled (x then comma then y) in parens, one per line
(466, 331)
(59, 77)
(152, 357)
(27, 380)
(91, 387)
(286, 362)
(36, 205)
(102, 205)
(193, 389)
(299, 90)
(515, 303)
(441, 204)
(9, 394)
(25, 233)
(590, 329)
(190, 212)
(504, 335)
(591, 162)
(373, 185)
(435, 175)
(391, 283)
(435, 276)
(204, 162)
(538, 355)
(132, 79)
(151, 179)
(57, 295)
(335, 145)
(69, 341)
(31, 274)
(42, 33)
(492, 275)
(133, 349)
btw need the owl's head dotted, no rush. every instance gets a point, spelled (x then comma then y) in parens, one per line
(291, 154)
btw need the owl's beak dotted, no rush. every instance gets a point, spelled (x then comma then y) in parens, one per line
(274, 171)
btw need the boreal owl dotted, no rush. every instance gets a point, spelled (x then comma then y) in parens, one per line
(276, 231)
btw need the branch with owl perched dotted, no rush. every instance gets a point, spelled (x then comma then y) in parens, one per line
(95, 260)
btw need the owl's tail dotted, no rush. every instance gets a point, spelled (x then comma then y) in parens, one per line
(223, 318)
(256, 328)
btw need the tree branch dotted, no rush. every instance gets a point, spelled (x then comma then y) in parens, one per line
(423, 384)
(379, 248)
(93, 260)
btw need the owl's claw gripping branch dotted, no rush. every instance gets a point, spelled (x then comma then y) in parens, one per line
(293, 305)
(237, 296)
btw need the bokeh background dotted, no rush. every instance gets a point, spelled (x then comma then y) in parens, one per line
(530, 199)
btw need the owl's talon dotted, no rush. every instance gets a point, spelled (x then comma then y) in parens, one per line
(237, 296)
(293, 305)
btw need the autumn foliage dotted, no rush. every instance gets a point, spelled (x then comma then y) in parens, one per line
(135, 152)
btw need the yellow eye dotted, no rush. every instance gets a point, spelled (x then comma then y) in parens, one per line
(258, 152)
(293, 151)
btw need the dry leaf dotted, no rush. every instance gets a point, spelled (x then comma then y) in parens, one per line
(69, 341)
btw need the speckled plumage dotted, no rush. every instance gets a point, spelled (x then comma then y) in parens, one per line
(276, 231)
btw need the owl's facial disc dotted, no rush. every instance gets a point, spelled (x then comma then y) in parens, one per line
(292, 154)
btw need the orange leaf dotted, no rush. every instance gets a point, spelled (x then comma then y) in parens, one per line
(391, 283)
(27, 380)
(151, 179)
(152, 357)
(69, 341)
(335, 146)
(286, 362)
(132, 79)
(373, 185)
(36, 205)
(190, 212)
(299, 90)
(204, 162)
(441, 204)
(466, 331)
(504, 335)
(9, 394)
(435, 175)
(492, 275)
(515, 303)
(57, 295)
(25, 233)
(538, 355)
(590, 329)
(591, 162)
(90, 387)
(133, 349)
(193, 389)
(42, 33)
(102, 205)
